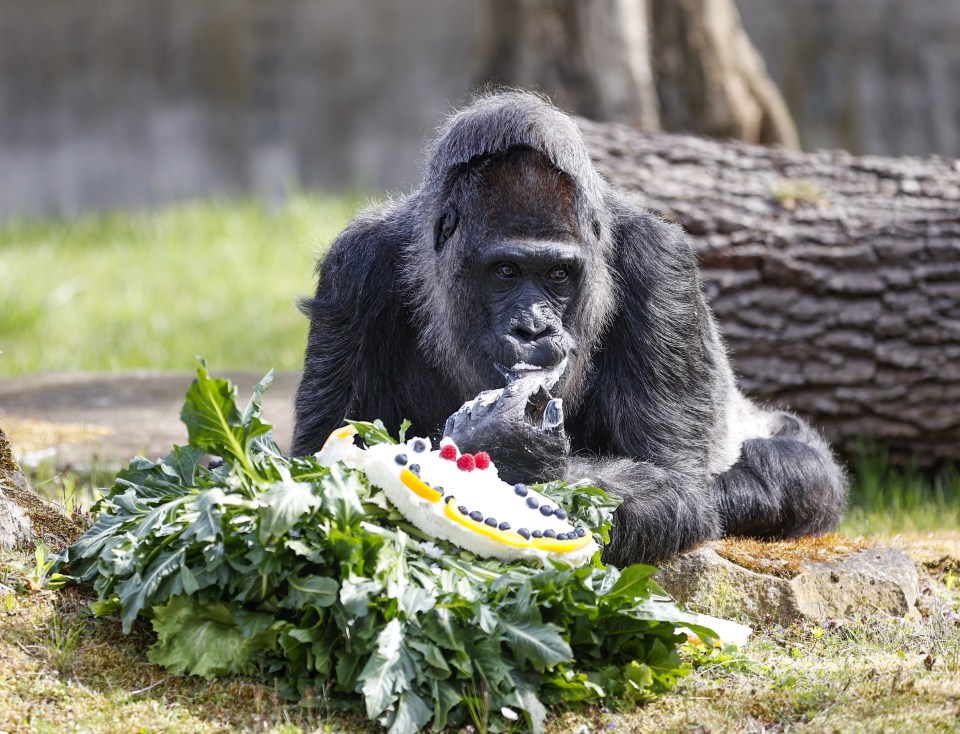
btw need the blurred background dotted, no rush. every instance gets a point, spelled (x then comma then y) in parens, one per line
(111, 103)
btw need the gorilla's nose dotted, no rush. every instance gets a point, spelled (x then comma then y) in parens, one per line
(532, 327)
(530, 332)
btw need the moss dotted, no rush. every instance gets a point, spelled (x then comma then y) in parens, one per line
(9, 469)
(786, 558)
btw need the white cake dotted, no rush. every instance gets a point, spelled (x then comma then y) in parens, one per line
(460, 498)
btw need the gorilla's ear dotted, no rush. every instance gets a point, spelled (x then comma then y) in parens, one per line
(445, 227)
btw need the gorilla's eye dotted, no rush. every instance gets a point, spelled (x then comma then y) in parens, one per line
(559, 274)
(506, 271)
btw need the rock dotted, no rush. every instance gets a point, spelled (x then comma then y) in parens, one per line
(25, 516)
(866, 580)
(15, 526)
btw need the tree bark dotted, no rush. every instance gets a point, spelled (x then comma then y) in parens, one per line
(711, 80)
(655, 64)
(591, 57)
(836, 279)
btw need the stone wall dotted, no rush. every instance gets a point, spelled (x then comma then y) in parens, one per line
(879, 77)
(114, 103)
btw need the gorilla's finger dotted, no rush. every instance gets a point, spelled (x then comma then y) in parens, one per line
(553, 414)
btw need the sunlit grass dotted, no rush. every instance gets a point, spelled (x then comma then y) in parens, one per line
(151, 290)
(887, 499)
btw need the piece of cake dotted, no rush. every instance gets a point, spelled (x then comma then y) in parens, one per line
(460, 498)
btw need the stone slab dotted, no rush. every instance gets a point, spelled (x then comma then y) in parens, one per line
(121, 415)
(867, 581)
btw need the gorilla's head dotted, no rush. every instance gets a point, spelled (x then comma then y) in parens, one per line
(510, 280)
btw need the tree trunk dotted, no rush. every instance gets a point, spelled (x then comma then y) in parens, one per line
(655, 64)
(836, 279)
(591, 56)
(711, 79)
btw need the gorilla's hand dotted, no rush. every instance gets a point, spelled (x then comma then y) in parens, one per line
(521, 426)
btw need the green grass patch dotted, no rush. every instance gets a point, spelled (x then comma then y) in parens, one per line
(152, 290)
(888, 499)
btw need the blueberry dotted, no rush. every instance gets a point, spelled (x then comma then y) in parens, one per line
(560, 514)
(419, 446)
(215, 463)
(523, 533)
(463, 510)
(401, 459)
(503, 526)
(476, 515)
(447, 498)
(521, 489)
(415, 468)
(439, 489)
(533, 503)
(537, 534)
(549, 533)
(561, 536)
(491, 522)
(546, 510)
(581, 532)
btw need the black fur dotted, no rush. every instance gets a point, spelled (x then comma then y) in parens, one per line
(404, 325)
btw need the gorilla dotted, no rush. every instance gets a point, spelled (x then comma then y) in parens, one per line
(516, 272)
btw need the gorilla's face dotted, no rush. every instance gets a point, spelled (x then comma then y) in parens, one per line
(521, 261)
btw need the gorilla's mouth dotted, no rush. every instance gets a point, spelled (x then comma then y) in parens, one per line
(549, 376)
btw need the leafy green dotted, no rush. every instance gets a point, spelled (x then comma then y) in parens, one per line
(279, 566)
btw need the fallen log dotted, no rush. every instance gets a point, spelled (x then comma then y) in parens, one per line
(836, 278)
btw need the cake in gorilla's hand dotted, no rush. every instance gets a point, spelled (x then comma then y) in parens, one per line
(460, 497)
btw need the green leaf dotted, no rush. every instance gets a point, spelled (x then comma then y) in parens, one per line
(204, 639)
(254, 408)
(542, 644)
(283, 505)
(388, 672)
(633, 584)
(525, 698)
(136, 592)
(182, 464)
(340, 490)
(317, 591)
(412, 713)
(215, 424)
(372, 433)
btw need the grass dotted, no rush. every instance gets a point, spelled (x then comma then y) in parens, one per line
(152, 290)
(62, 670)
(886, 499)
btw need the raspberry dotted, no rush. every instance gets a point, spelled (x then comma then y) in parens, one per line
(449, 452)
(466, 463)
(482, 458)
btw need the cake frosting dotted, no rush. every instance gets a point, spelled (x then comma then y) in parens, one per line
(460, 497)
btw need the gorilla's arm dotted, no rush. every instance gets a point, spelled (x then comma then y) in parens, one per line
(663, 512)
(354, 318)
(644, 427)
